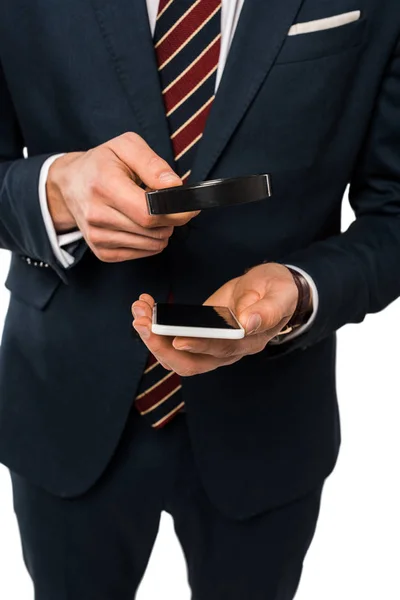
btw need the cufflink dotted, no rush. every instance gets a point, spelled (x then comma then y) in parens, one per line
(34, 263)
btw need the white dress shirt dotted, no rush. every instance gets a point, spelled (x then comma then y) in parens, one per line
(230, 14)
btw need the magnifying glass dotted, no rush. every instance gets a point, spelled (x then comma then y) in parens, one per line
(209, 194)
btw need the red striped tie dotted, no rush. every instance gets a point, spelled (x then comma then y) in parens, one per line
(187, 42)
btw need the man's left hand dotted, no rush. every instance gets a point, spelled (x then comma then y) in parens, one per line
(264, 300)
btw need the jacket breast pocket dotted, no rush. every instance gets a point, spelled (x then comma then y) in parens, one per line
(309, 46)
(31, 282)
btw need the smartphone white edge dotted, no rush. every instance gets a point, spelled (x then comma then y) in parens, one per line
(199, 332)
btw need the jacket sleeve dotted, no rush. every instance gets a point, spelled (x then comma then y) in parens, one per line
(22, 229)
(358, 271)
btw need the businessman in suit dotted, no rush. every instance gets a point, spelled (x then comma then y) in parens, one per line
(102, 429)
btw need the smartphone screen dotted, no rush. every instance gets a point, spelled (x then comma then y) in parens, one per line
(198, 316)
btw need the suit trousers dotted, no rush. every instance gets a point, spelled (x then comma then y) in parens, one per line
(97, 546)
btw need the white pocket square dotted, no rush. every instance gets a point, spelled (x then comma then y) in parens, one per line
(328, 23)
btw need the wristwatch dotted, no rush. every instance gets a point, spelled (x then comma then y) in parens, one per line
(304, 307)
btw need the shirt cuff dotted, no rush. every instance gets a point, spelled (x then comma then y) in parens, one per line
(315, 298)
(56, 241)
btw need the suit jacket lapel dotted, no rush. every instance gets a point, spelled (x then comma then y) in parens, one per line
(125, 28)
(261, 31)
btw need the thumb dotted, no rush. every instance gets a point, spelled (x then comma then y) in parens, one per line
(260, 316)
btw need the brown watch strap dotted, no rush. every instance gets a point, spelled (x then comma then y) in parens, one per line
(304, 303)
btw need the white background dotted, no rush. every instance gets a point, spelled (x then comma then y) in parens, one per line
(355, 554)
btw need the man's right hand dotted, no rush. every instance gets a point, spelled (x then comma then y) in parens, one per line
(98, 192)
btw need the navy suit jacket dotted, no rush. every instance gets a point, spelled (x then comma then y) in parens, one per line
(318, 111)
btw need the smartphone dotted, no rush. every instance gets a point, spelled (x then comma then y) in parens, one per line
(199, 321)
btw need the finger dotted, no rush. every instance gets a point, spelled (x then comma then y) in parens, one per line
(223, 296)
(113, 186)
(122, 194)
(261, 316)
(117, 255)
(183, 363)
(245, 300)
(143, 307)
(152, 170)
(144, 162)
(148, 299)
(102, 238)
(119, 192)
(178, 219)
(109, 217)
(223, 349)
